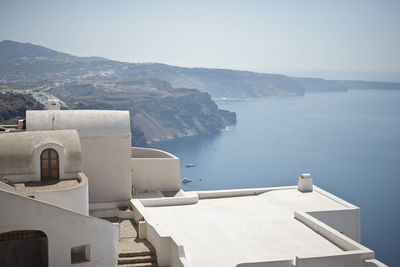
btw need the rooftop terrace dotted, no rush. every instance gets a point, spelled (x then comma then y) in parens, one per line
(226, 229)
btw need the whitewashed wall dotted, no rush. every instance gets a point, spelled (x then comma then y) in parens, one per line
(75, 198)
(64, 229)
(105, 161)
(154, 170)
(105, 139)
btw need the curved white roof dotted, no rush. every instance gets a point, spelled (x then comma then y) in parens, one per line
(86, 122)
(17, 150)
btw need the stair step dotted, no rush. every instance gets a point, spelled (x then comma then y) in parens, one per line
(135, 253)
(137, 259)
(146, 264)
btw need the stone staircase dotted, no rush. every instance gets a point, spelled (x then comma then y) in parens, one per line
(136, 259)
(133, 252)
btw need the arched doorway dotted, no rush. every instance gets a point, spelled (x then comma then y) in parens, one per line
(23, 248)
(49, 164)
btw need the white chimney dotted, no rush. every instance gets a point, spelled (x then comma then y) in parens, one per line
(53, 105)
(305, 183)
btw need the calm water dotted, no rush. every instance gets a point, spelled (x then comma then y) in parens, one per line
(349, 142)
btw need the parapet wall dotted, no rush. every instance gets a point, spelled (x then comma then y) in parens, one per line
(154, 170)
(75, 198)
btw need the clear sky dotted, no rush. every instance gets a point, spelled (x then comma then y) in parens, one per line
(345, 39)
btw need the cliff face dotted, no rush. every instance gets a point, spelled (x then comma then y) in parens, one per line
(189, 113)
(218, 82)
(158, 111)
(13, 106)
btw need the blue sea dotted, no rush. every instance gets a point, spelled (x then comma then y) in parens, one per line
(348, 141)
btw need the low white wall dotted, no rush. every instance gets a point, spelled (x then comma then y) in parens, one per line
(64, 229)
(354, 254)
(140, 152)
(331, 234)
(345, 221)
(187, 199)
(6, 187)
(75, 198)
(169, 253)
(107, 205)
(155, 174)
(239, 192)
(279, 263)
(112, 213)
(343, 260)
(373, 263)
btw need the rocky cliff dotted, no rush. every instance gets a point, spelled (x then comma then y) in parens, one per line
(13, 106)
(218, 82)
(158, 110)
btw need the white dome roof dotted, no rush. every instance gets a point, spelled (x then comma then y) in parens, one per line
(17, 150)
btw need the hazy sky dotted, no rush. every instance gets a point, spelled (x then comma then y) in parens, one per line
(333, 39)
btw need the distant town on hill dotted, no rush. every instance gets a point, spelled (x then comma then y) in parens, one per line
(164, 101)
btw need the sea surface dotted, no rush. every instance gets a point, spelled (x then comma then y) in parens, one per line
(348, 141)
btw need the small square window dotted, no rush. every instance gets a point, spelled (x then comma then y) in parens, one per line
(80, 254)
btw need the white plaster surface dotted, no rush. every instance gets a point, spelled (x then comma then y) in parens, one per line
(86, 122)
(233, 230)
(154, 170)
(105, 161)
(75, 198)
(20, 153)
(105, 140)
(64, 229)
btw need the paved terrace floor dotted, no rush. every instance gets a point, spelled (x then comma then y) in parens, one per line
(233, 230)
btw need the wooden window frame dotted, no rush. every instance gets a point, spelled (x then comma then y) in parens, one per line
(48, 167)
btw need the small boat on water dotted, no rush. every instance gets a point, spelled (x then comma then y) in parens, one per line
(190, 165)
(186, 180)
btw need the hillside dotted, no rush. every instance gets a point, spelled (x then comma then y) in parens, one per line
(158, 110)
(13, 51)
(13, 106)
(218, 82)
(157, 95)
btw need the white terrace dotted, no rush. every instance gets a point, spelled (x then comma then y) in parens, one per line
(269, 226)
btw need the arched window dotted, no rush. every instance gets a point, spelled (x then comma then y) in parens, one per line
(49, 164)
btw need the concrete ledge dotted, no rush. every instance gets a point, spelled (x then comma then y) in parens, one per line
(345, 221)
(239, 192)
(140, 152)
(333, 197)
(169, 252)
(374, 263)
(112, 213)
(106, 205)
(340, 240)
(279, 263)
(6, 187)
(74, 197)
(188, 199)
(346, 259)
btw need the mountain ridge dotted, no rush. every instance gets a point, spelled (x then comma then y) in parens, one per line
(165, 101)
(12, 50)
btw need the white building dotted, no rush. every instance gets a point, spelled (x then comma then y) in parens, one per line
(70, 168)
